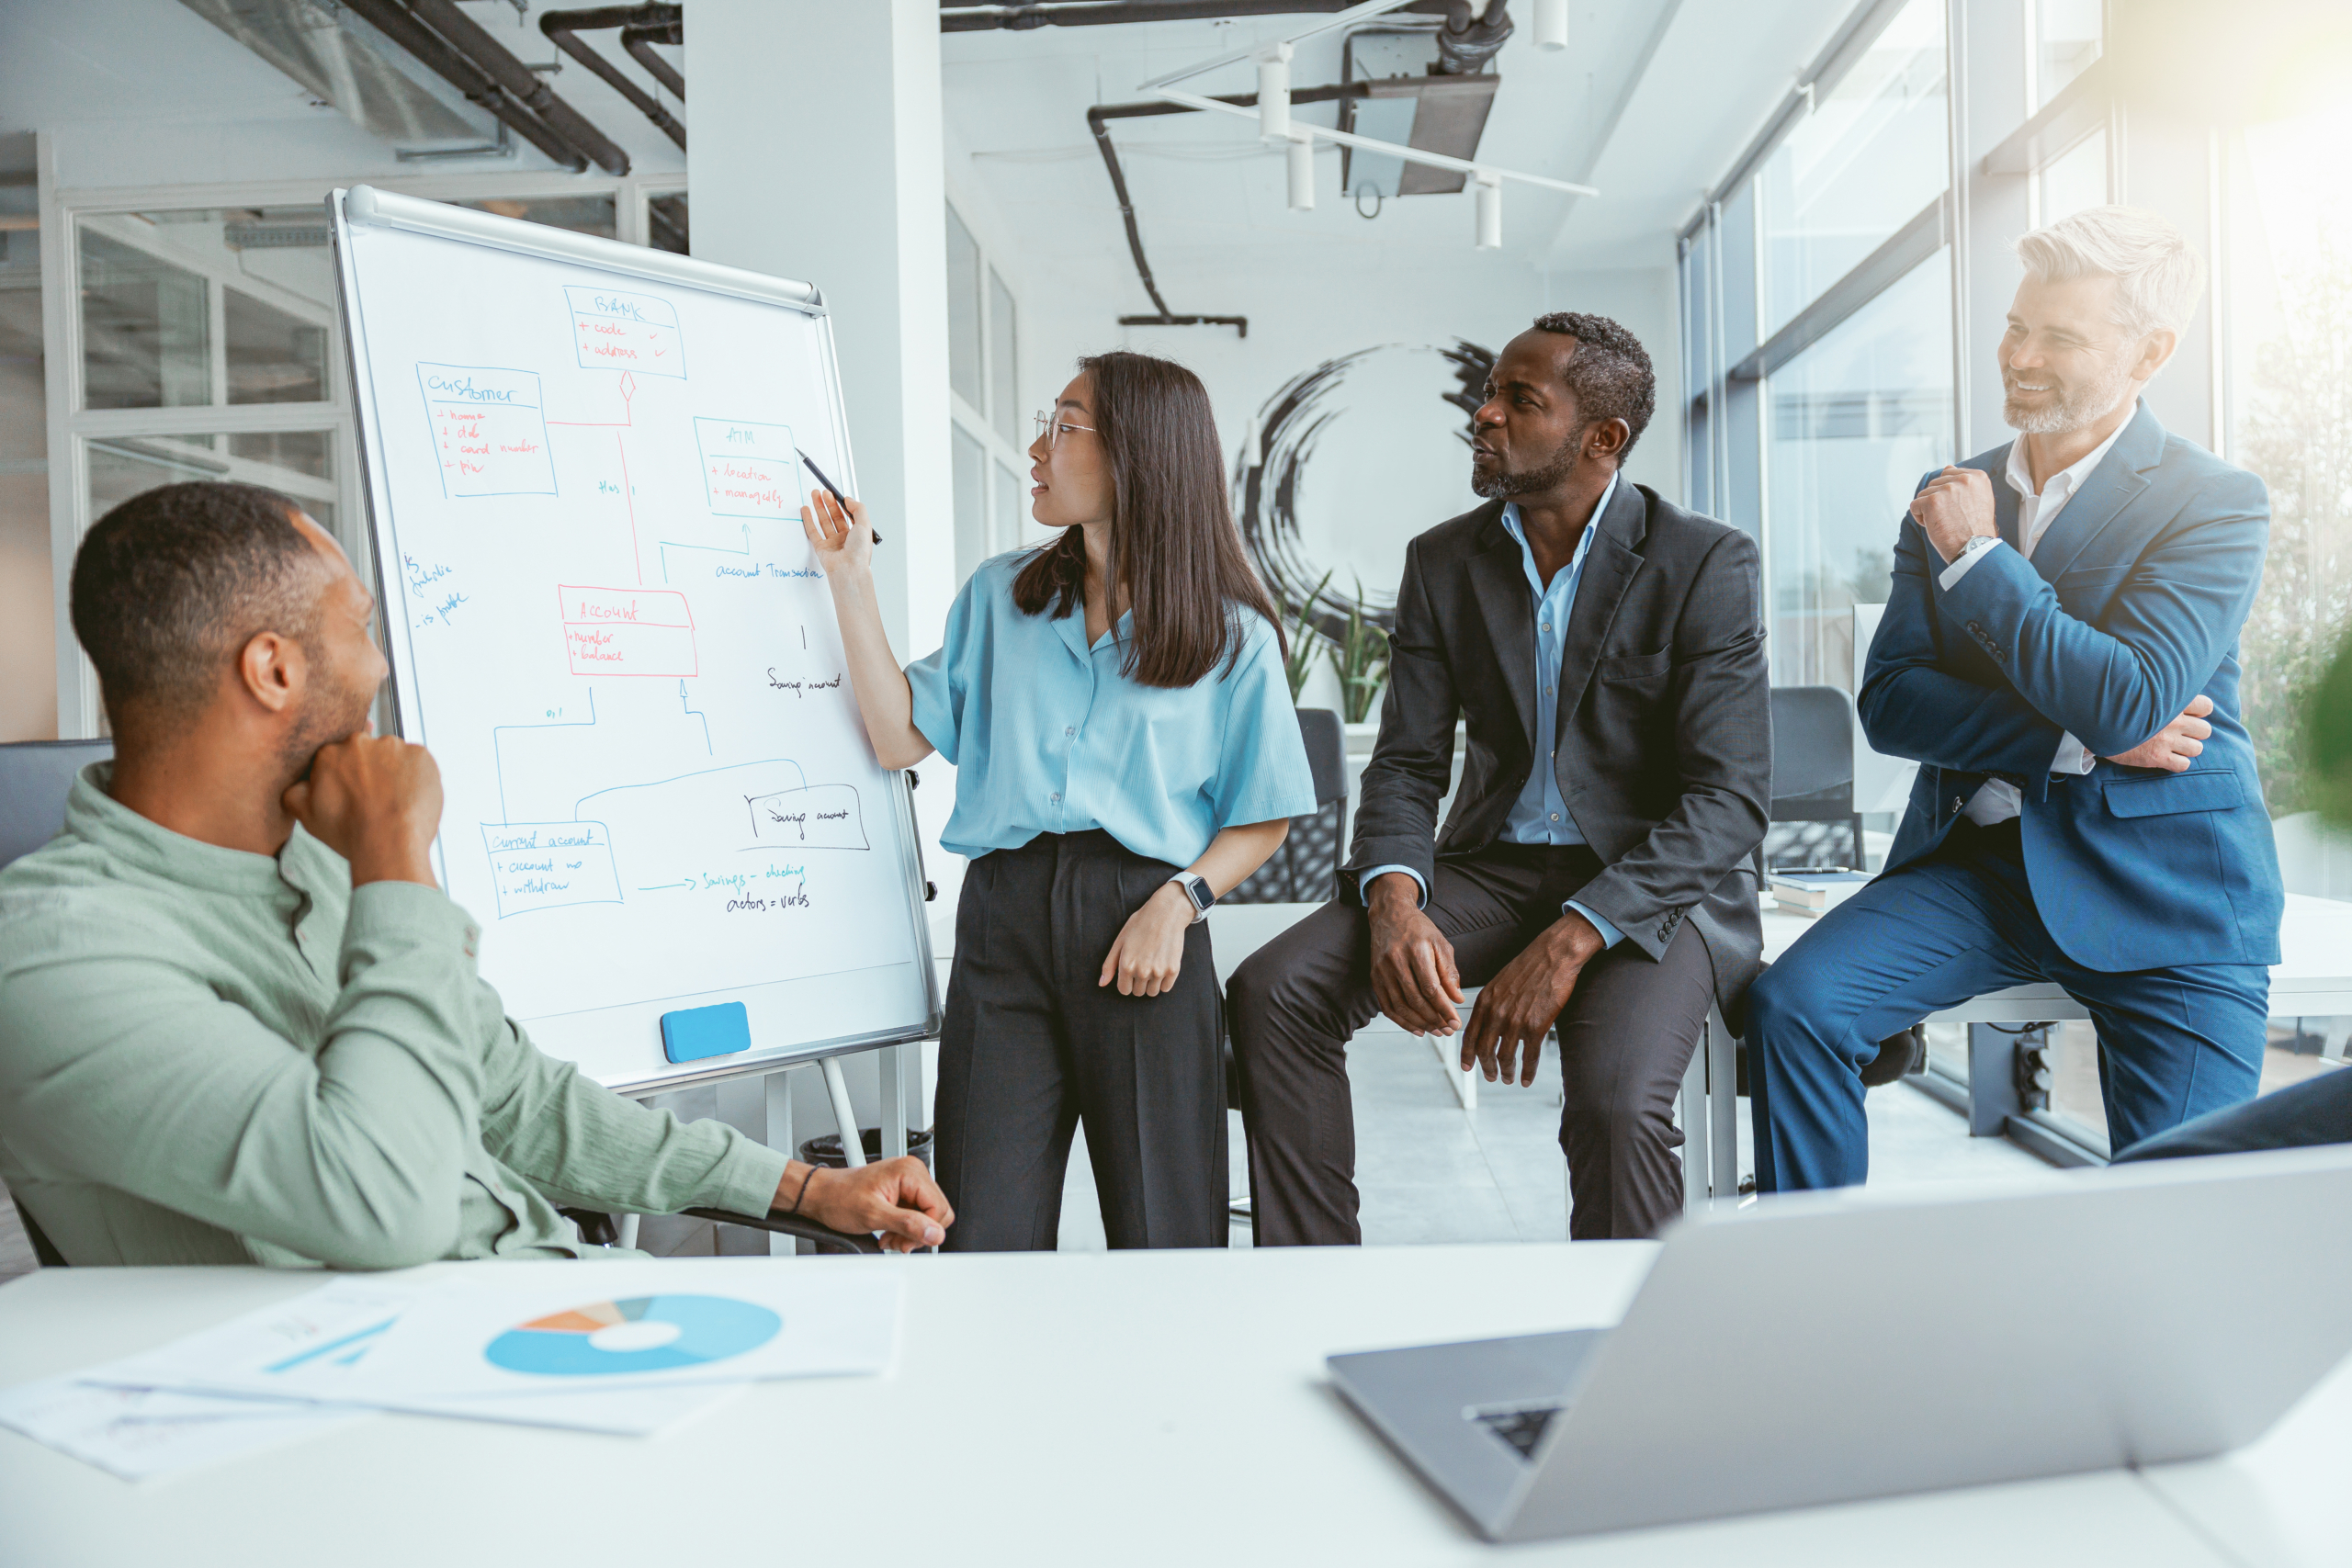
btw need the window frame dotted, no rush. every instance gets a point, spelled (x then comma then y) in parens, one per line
(71, 426)
(998, 533)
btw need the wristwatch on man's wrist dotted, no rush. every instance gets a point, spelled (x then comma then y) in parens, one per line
(1977, 544)
(1196, 889)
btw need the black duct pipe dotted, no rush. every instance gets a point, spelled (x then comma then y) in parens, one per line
(467, 36)
(393, 20)
(639, 42)
(563, 28)
(1095, 121)
(956, 18)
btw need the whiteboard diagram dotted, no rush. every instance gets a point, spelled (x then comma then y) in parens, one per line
(608, 627)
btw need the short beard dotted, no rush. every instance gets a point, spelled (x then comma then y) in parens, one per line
(333, 712)
(2075, 408)
(1529, 481)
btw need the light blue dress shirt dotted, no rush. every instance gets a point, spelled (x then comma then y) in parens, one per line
(1048, 736)
(1539, 816)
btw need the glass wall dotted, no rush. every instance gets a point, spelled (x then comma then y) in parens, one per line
(1869, 156)
(1857, 420)
(1840, 308)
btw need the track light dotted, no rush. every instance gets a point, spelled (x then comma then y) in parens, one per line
(1301, 157)
(1274, 94)
(1551, 24)
(1490, 190)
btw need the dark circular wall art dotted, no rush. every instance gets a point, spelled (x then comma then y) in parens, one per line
(1354, 457)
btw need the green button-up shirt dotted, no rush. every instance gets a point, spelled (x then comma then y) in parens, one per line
(211, 1057)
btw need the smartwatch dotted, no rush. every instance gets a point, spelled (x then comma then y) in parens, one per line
(1196, 889)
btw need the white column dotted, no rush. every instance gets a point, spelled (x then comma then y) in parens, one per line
(815, 153)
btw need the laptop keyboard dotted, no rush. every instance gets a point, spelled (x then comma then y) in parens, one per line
(1521, 1427)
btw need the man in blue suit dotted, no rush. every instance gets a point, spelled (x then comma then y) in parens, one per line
(2059, 653)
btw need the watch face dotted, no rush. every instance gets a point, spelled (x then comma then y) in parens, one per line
(1196, 889)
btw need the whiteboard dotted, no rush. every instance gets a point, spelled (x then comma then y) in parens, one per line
(605, 621)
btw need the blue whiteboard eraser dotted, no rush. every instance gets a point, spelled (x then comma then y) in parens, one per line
(691, 1033)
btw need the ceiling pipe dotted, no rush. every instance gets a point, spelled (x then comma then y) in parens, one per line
(563, 28)
(1096, 121)
(394, 21)
(640, 41)
(516, 78)
(956, 18)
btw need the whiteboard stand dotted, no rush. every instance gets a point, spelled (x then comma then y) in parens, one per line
(845, 1118)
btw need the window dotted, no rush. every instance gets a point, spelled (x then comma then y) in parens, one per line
(1855, 421)
(964, 313)
(587, 214)
(1862, 163)
(27, 633)
(209, 306)
(2076, 178)
(988, 422)
(2067, 36)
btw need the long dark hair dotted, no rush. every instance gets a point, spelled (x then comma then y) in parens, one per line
(1174, 545)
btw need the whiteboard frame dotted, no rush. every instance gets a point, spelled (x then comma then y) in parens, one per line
(366, 206)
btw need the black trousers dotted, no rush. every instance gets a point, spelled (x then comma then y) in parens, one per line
(1031, 1045)
(1625, 1037)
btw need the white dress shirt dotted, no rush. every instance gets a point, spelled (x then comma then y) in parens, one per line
(1997, 800)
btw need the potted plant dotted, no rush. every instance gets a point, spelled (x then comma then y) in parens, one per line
(1359, 658)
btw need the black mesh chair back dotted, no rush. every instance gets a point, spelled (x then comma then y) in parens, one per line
(1812, 761)
(1305, 869)
(34, 778)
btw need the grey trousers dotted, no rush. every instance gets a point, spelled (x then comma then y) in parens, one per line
(1031, 1045)
(2317, 1110)
(1625, 1037)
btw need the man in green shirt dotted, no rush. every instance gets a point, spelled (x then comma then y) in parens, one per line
(239, 1020)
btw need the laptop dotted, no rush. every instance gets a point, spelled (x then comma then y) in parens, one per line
(1825, 1348)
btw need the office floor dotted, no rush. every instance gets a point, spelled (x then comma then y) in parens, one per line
(1431, 1171)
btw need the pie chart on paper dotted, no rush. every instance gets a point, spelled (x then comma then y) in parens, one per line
(642, 1334)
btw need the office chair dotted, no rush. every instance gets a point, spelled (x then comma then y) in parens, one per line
(1812, 764)
(1304, 870)
(35, 777)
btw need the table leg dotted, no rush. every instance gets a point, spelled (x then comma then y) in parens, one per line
(853, 1145)
(1722, 1105)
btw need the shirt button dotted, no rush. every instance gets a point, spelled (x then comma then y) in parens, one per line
(1547, 626)
(1555, 817)
(1070, 729)
(1057, 800)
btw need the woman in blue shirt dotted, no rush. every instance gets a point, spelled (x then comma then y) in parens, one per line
(1125, 752)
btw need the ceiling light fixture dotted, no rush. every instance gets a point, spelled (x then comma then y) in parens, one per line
(1551, 24)
(1274, 124)
(1300, 153)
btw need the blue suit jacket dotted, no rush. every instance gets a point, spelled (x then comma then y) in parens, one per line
(2129, 607)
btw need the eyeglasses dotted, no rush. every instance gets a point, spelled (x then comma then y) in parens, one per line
(1050, 429)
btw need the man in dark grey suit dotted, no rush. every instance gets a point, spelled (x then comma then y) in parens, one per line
(1579, 622)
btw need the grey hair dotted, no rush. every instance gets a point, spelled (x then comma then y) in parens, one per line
(2159, 276)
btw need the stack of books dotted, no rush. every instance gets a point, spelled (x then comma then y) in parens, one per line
(1814, 893)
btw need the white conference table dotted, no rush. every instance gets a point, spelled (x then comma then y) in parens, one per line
(1129, 1408)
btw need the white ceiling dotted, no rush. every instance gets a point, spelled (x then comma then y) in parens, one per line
(123, 67)
(1210, 201)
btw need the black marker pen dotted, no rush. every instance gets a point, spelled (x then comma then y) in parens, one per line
(832, 489)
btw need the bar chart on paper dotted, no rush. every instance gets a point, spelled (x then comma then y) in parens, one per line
(605, 623)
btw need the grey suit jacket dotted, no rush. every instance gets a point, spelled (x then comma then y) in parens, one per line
(1665, 721)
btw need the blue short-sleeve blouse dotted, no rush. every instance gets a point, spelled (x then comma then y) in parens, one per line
(1048, 736)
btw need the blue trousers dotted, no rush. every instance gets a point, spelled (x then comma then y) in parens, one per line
(2173, 1043)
